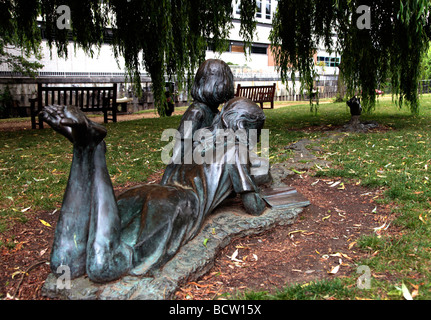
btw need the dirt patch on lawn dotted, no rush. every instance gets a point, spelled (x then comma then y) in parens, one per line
(321, 244)
(322, 239)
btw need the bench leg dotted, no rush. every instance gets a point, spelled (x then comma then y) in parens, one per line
(114, 113)
(34, 121)
(40, 124)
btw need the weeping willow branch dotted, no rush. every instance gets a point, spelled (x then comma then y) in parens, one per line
(168, 38)
(298, 28)
(390, 49)
(248, 23)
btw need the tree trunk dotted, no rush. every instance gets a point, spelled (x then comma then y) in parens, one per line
(341, 89)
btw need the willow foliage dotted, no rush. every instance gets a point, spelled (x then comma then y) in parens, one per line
(162, 37)
(387, 52)
(298, 27)
(169, 37)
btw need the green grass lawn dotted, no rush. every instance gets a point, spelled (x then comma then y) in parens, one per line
(34, 168)
(398, 160)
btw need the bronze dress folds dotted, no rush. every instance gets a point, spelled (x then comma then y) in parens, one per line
(157, 220)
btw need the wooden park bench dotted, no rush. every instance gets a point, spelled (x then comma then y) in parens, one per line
(258, 94)
(88, 99)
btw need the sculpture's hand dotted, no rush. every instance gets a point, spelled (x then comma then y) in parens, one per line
(73, 124)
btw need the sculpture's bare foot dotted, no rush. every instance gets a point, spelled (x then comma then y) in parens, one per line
(53, 115)
(73, 124)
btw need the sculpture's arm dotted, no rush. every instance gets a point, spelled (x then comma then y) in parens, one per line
(253, 203)
(244, 184)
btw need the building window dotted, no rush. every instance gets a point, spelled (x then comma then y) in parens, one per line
(329, 61)
(268, 10)
(259, 49)
(259, 9)
(237, 48)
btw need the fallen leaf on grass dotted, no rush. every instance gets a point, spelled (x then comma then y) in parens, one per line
(298, 172)
(296, 231)
(335, 184)
(17, 273)
(384, 226)
(334, 270)
(415, 292)
(340, 254)
(241, 247)
(42, 252)
(406, 293)
(352, 244)
(18, 246)
(45, 223)
(234, 255)
(200, 285)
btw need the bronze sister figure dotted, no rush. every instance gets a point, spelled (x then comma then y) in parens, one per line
(213, 85)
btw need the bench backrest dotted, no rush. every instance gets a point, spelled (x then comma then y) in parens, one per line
(258, 94)
(86, 98)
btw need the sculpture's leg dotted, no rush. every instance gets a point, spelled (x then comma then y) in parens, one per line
(71, 234)
(108, 258)
(70, 239)
(86, 237)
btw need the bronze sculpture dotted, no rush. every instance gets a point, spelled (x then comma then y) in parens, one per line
(355, 123)
(355, 106)
(213, 85)
(106, 237)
